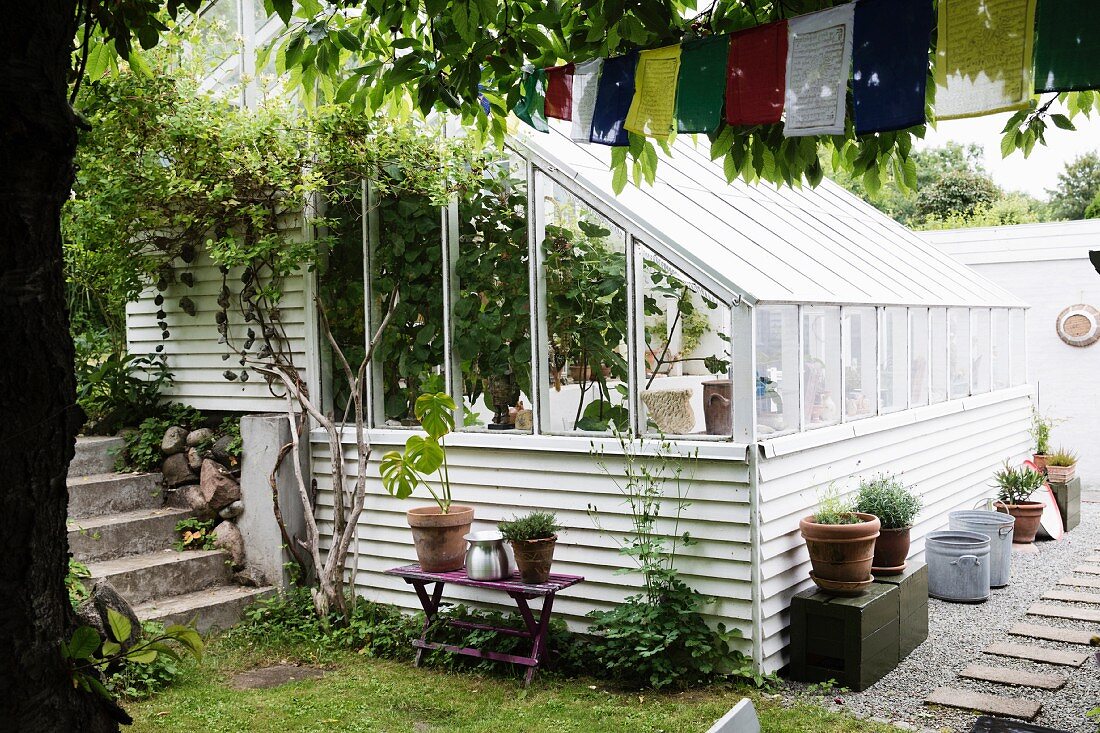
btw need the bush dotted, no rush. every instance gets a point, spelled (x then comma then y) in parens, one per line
(1016, 485)
(136, 680)
(195, 534)
(534, 526)
(119, 390)
(142, 449)
(889, 500)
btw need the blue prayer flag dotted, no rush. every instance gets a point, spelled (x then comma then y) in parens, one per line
(613, 99)
(890, 63)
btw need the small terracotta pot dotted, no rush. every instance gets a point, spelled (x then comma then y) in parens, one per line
(1061, 474)
(1040, 461)
(534, 558)
(439, 538)
(891, 550)
(1028, 514)
(841, 553)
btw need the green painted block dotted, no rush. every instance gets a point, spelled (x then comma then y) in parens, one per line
(913, 605)
(1068, 496)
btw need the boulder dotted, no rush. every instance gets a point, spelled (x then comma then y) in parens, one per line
(194, 459)
(190, 497)
(220, 452)
(175, 440)
(93, 612)
(232, 511)
(250, 576)
(177, 471)
(228, 537)
(218, 485)
(197, 437)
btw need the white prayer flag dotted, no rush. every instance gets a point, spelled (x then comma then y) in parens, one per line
(819, 61)
(586, 82)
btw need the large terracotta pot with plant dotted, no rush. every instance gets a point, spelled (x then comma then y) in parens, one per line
(438, 531)
(533, 538)
(841, 543)
(1014, 489)
(896, 507)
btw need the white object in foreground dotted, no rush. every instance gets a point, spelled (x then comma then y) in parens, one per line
(740, 719)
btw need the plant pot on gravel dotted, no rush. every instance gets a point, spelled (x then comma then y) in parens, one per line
(896, 507)
(841, 543)
(533, 538)
(1014, 489)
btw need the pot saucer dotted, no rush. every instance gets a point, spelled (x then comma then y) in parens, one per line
(898, 570)
(838, 588)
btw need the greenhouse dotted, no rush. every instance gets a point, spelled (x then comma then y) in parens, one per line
(788, 339)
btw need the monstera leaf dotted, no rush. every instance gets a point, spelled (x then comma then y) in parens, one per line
(436, 413)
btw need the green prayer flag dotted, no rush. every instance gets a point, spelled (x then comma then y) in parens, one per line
(702, 84)
(1067, 45)
(532, 107)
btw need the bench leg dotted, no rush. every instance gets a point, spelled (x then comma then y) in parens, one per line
(537, 629)
(430, 604)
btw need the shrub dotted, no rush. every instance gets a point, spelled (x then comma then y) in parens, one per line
(195, 534)
(832, 509)
(534, 526)
(142, 449)
(889, 500)
(1062, 457)
(1016, 485)
(119, 390)
(140, 680)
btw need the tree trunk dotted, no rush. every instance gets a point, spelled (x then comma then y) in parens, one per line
(38, 415)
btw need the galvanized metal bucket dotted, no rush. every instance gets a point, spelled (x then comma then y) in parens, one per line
(958, 566)
(998, 527)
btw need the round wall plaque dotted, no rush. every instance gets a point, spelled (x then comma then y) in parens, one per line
(1079, 325)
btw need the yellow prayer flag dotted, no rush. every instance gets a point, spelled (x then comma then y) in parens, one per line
(652, 110)
(983, 59)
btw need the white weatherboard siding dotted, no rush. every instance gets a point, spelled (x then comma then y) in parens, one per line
(501, 482)
(948, 457)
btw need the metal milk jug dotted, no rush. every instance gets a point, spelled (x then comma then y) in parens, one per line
(486, 557)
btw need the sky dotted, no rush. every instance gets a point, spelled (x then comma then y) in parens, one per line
(1034, 174)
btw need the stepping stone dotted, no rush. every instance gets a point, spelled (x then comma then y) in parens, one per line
(1070, 612)
(1006, 676)
(1071, 596)
(1011, 707)
(1035, 653)
(1090, 569)
(1052, 633)
(1080, 582)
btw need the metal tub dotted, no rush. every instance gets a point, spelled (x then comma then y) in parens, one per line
(958, 566)
(998, 527)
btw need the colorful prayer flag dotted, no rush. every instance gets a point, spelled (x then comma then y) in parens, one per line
(559, 92)
(983, 57)
(1067, 46)
(586, 83)
(755, 75)
(653, 109)
(616, 91)
(819, 61)
(700, 87)
(890, 63)
(532, 106)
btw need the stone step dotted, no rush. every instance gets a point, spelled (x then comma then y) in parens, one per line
(1090, 569)
(1017, 677)
(94, 455)
(126, 533)
(1010, 707)
(1071, 596)
(110, 493)
(1052, 633)
(1080, 581)
(1073, 613)
(1036, 653)
(218, 607)
(141, 578)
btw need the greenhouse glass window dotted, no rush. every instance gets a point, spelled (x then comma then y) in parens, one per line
(777, 379)
(893, 360)
(939, 373)
(821, 391)
(980, 356)
(858, 345)
(1000, 356)
(958, 352)
(918, 357)
(1017, 346)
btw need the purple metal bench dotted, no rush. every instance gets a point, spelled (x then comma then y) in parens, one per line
(519, 591)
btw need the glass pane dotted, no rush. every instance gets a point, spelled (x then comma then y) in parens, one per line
(687, 354)
(821, 365)
(492, 320)
(937, 326)
(1018, 341)
(340, 290)
(858, 347)
(776, 369)
(219, 30)
(979, 350)
(958, 352)
(586, 316)
(893, 360)
(408, 255)
(1001, 357)
(918, 356)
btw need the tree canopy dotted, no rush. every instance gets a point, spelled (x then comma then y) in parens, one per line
(1077, 188)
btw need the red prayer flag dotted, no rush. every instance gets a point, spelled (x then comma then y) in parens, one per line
(559, 92)
(756, 75)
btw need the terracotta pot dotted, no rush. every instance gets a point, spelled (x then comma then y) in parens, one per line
(891, 550)
(1040, 461)
(533, 558)
(440, 547)
(1028, 514)
(841, 553)
(1061, 474)
(718, 406)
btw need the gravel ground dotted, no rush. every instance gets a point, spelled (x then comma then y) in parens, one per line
(958, 632)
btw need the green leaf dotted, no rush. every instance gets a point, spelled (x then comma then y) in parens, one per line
(618, 176)
(285, 9)
(399, 478)
(436, 413)
(423, 454)
(1008, 143)
(347, 39)
(120, 626)
(142, 656)
(84, 642)
(1062, 122)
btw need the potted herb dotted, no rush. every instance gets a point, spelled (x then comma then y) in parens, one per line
(1014, 489)
(438, 530)
(841, 542)
(896, 507)
(533, 538)
(1040, 433)
(1061, 466)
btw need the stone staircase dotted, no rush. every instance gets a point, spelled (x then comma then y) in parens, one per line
(120, 528)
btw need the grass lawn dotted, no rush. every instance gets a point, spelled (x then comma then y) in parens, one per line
(364, 694)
